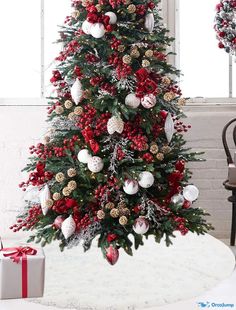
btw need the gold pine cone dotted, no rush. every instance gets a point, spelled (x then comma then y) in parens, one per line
(68, 104)
(49, 203)
(169, 96)
(166, 80)
(154, 148)
(66, 191)
(114, 213)
(149, 53)
(135, 53)
(109, 205)
(60, 177)
(121, 48)
(145, 63)
(127, 59)
(166, 149)
(59, 110)
(160, 156)
(123, 220)
(100, 214)
(71, 172)
(71, 116)
(131, 8)
(182, 101)
(56, 196)
(78, 110)
(72, 185)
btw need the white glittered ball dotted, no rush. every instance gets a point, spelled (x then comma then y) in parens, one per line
(113, 17)
(148, 101)
(178, 199)
(84, 156)
(86, 27)
(141, 225)
(132, 101)
(191, 192)
(115, 124)
(68, 227)
(76, 91)
(131, 187)
(97, 30)
(146, 179)
(95, 164)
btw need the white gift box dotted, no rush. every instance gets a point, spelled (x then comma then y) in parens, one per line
(24, 278)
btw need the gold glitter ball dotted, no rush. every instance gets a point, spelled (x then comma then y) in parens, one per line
(98, 7)
(182, 101)
(114, 213)
(56, 196)
(100, 214)
(68, 104)
(166, 149)
(154, 148)
(59, 110)
(166, 80)
(135, 53)
(121, 48)
(169, 96)
(78, 110)
(66, 191)
(145, 63)
(123, 220)
(71, 172)
(109, 205)
(149, 53)
(160, 156)
(131, 8)
(71, 116)
(126, 59)
(72, 185)
(60, 177)
(49, 203)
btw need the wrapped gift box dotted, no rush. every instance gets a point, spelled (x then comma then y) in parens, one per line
(22, 272)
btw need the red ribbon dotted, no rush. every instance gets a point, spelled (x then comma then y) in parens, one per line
(17, 254)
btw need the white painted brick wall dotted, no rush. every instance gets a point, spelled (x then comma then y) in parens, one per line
(22, 126)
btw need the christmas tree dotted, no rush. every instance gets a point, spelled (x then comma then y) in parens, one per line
(113, 164)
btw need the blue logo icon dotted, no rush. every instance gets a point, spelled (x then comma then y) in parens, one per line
(204, 304)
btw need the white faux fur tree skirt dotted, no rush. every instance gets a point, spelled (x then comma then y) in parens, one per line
(154, 276)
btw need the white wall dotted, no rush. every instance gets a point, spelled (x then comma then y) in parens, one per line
(22, 126)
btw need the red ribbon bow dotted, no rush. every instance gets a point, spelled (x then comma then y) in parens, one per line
(16, 254)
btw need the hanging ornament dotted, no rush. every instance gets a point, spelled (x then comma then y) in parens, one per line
(132, 101)
(44, 196)
(112, 255)
(97, 30)
(113, 18)
(169, 127)
(131, 187)
(58, 221)
(141, 225)
(84, 156)
(191, 193)
(146, 179)
(95, 164)
(148, 101)
(178, 199)
(86, 27)
(76, 91)
(149, 22)
(68, 227)
(115, 124)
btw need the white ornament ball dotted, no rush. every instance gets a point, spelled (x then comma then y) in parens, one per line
(191, 193)
(97, 30)
(178, 199)
(141, 225)
(131, 187)
(149, 101)
(115, 124)
(113, 18)
(86, 27)
(68, 227)
(76, 91)
(95, 164)
(44, 196)
(146, 179)
(84, 156)
(132, 101)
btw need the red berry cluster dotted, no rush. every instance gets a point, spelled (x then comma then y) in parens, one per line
(109, 88)
(70, 49)
(115, 43)
(180, 222)
(180, 127)
(148, 157)
(91, 58)
(56, 76)
(87, 117)
(28, 222)
(96, 80)
(123, 71)
(101, 124)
